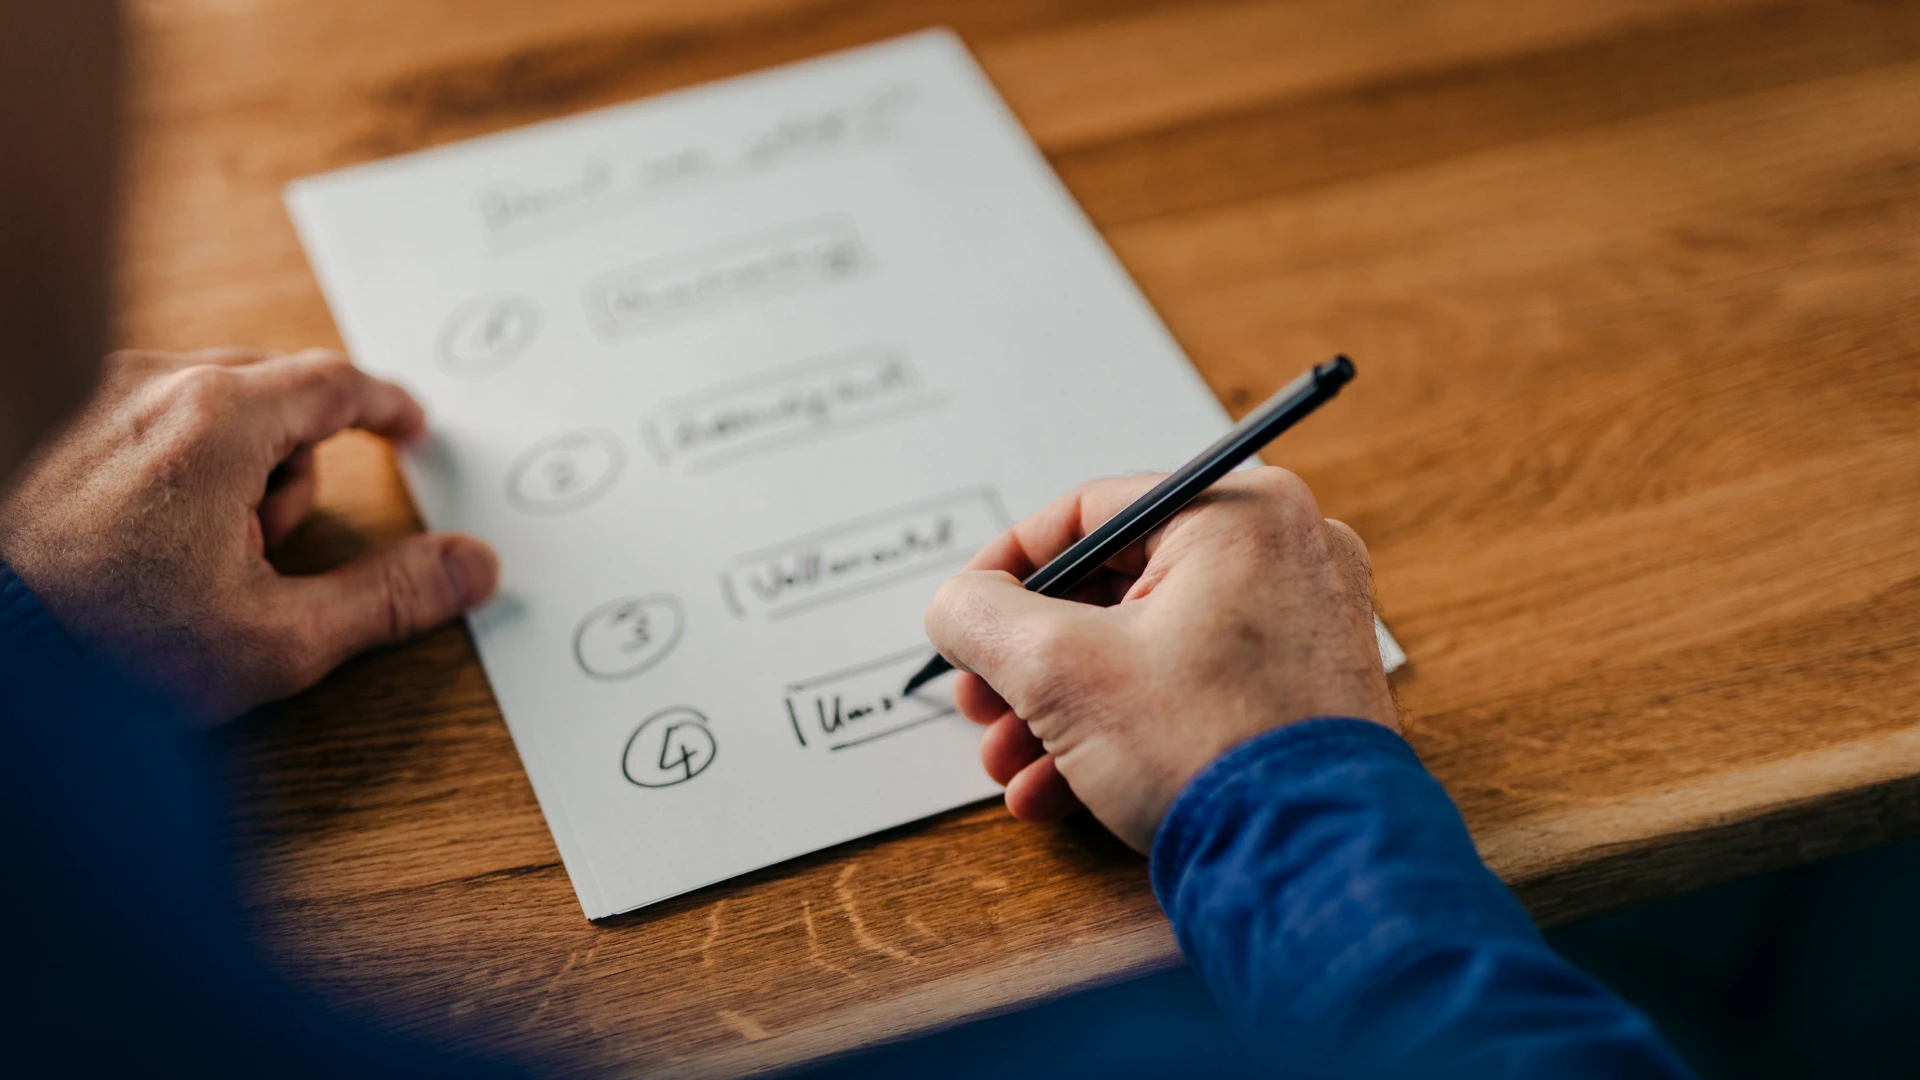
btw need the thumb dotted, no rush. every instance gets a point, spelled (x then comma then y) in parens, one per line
(395, 593)
(1023, 644)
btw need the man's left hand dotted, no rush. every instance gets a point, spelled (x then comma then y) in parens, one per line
(143, 527)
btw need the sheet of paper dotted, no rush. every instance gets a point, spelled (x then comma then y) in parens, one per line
(732, 378)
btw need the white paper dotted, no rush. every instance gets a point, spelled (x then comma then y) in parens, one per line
(732, 378)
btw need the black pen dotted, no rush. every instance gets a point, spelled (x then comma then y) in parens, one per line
(1141, 516)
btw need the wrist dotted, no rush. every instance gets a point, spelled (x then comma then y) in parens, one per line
(1267, 760)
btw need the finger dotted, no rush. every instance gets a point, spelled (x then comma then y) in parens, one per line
(389, 596)
(289, 497)
(1040, 793)
(1034, 542)
(1008, 747)
(1020, 642)
(313, 394)
(976, 700)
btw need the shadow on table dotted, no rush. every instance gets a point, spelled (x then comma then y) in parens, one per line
(1809, 972)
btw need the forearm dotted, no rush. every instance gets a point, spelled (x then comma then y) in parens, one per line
(1327, 891)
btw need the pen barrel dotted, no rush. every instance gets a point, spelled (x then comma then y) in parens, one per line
(1278, 413)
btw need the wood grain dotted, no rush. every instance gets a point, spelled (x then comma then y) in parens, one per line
(1633, 285)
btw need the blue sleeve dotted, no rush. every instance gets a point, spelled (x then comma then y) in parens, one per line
(127, 946)
(1326, 890)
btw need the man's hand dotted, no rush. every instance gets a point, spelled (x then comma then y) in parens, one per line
(1244, 612)
(143, 527)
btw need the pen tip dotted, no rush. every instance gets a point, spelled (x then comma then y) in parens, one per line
(934, 668)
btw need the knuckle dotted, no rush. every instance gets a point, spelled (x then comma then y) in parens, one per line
(405, 605)
(1055, 661)
(1284, 488)
(332, 381)
(944, 609)
(1286, 504)
(959, 609)
(126, 373)
(1344, 535)
(201, 393)
(186, 408)
(1046, 645)
(329, 365)
(950, 595)
(416, 593)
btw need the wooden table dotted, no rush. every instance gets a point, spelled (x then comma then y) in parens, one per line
(1636, 288)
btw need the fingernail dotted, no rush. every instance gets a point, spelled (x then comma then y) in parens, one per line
(473, 569)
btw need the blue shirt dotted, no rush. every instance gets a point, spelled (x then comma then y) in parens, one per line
(1318, 879)
(1327, 891)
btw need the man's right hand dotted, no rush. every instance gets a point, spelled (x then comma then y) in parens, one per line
(1245, 612)
(143, 527)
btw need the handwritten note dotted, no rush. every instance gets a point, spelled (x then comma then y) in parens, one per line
(813, 398)
(847, 708)
(732, 378)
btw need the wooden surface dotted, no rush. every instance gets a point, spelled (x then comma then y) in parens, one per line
(1635, 286)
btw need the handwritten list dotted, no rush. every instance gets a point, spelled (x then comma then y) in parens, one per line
(733, 378)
